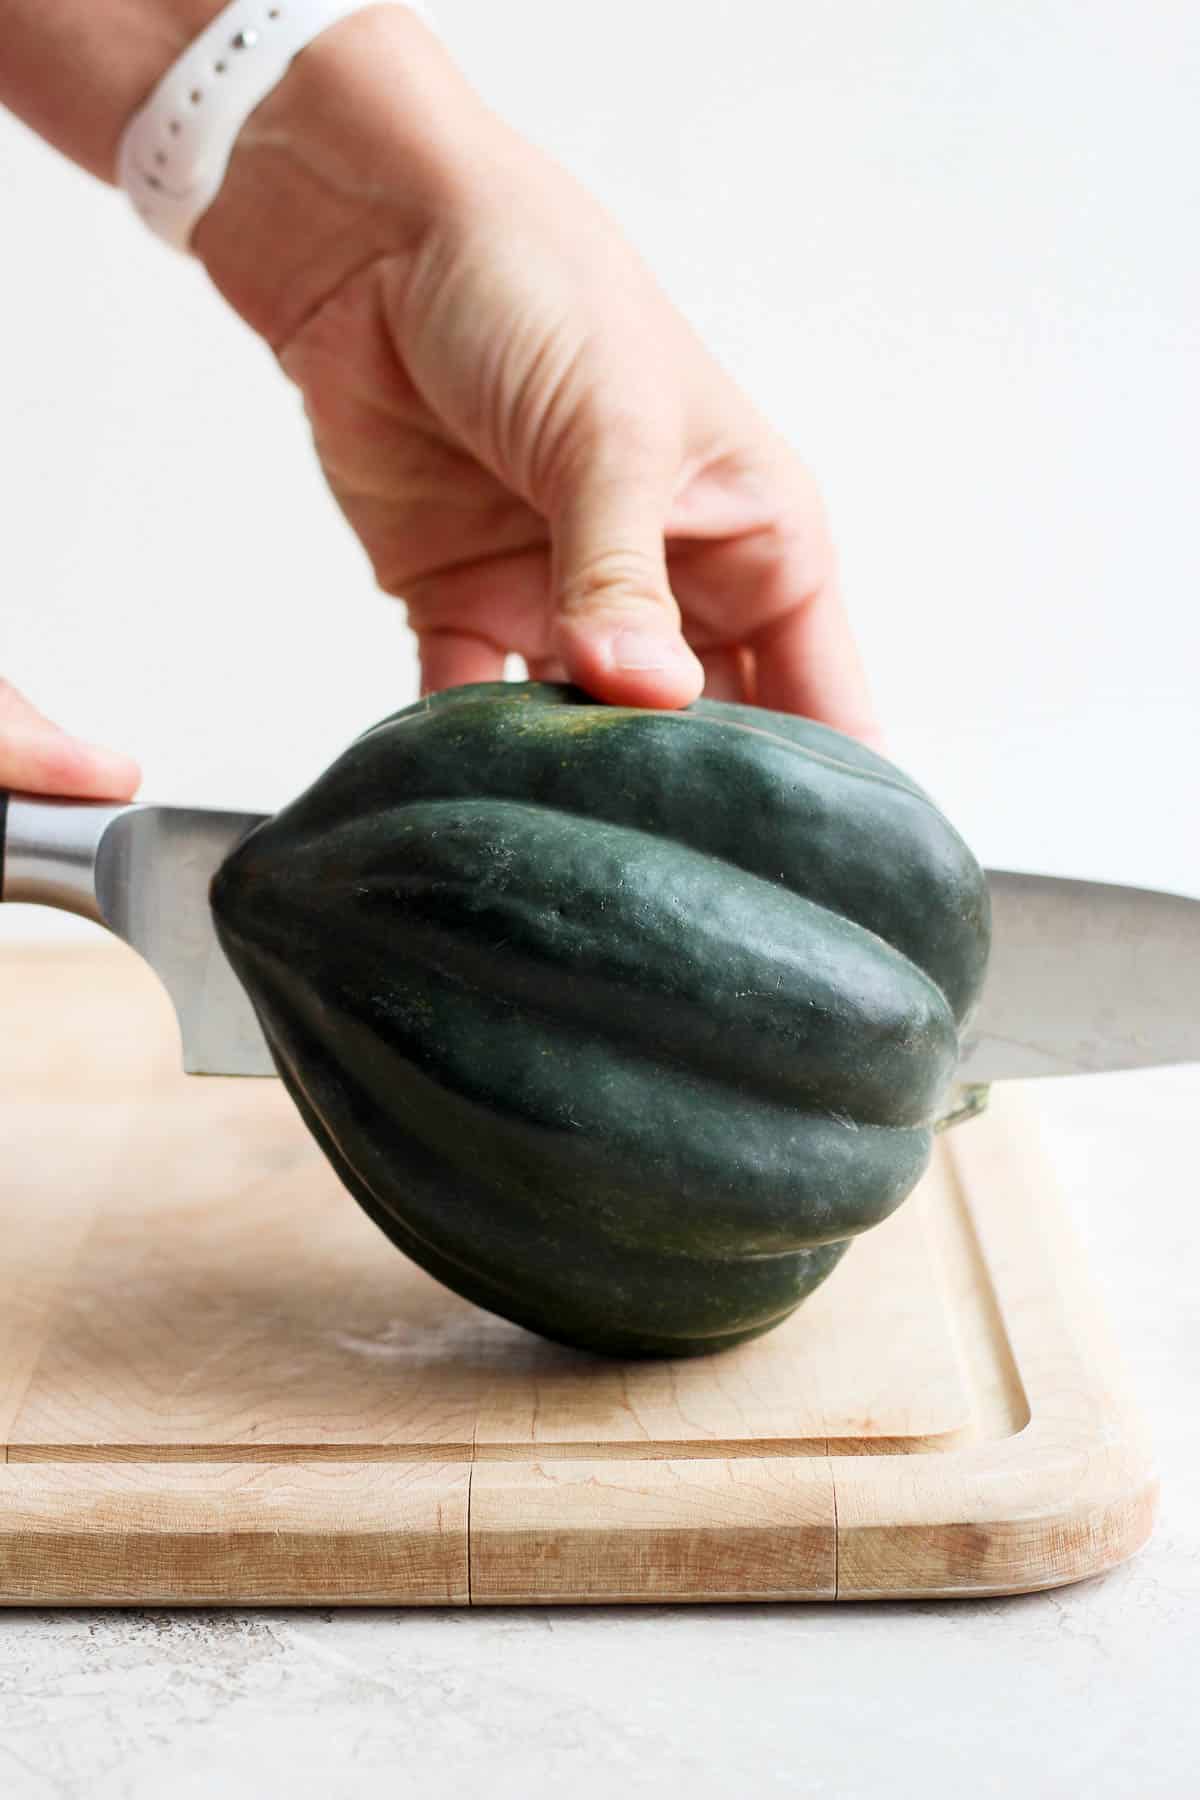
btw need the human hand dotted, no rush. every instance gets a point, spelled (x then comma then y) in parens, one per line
(534, 448)
(37, 757)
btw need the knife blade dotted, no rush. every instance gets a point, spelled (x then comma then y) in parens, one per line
(1083, 976)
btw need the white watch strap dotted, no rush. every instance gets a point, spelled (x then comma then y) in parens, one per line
(175, 150)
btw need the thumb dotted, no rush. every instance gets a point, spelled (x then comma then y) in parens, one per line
(42, 759)
(617, 627)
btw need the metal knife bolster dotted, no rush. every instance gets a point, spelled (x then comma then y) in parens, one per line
(49, 851)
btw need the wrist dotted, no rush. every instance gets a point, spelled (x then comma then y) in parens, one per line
(360, 150)
(76, 72)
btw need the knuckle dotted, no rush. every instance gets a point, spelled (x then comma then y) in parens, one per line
(613, 581)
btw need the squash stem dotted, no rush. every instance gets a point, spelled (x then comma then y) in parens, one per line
(973, 1099)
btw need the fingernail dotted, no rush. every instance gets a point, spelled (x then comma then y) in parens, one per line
(637, 649)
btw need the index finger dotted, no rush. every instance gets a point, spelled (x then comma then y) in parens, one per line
(807, 661)
(38, 757)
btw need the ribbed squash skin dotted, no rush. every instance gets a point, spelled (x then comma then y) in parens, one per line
(621, 1023)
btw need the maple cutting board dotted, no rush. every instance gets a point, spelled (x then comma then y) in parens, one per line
(220, 1383)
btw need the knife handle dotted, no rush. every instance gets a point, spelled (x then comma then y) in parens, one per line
(50, 850)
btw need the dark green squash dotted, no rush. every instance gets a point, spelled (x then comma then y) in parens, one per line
(621, 1023)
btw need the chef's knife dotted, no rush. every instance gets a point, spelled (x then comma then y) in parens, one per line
(1083, 975)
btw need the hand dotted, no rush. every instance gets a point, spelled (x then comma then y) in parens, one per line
(534, 448)
(37, 757)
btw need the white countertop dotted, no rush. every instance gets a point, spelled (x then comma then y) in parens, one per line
(1089, 1690)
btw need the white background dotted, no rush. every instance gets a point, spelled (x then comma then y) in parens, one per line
(950, 247)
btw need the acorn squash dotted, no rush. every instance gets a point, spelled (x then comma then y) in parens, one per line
(622, 1023)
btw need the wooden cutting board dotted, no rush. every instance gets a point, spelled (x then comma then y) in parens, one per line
(219, 1382)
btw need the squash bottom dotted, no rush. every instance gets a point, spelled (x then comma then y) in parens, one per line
(807, 1269)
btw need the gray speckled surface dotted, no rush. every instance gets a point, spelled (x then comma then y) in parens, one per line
(1091, 1689)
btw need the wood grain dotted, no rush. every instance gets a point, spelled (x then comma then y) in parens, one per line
(227, 1297)
(117, 1533)
(742, 1528)
(219, 1381)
